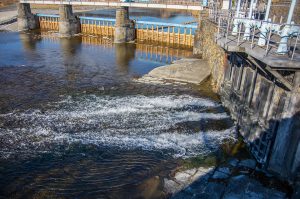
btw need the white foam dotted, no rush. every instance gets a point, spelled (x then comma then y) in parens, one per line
(127, 122)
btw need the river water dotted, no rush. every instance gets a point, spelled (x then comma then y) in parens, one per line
(74, 124)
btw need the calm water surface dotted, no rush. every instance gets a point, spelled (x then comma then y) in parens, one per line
(73, 124)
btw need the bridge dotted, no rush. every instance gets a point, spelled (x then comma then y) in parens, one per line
(124, 29)
(165, 4)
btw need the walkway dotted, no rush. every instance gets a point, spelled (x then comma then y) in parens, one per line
(166, 4)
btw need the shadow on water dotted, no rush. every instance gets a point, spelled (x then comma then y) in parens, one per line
(29, 41)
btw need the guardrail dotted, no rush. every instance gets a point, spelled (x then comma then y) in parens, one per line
(175, 34)
(277, 39)
(165, 4)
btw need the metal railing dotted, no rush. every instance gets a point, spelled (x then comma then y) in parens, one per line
(166, 2)
(169, 33)
(278, 39)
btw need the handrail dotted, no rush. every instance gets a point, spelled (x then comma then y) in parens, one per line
(275, 38)
(173, 2)
(137, 22)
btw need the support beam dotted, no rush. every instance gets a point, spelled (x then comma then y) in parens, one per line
(26, 20)
(125, 28)
(69, 25)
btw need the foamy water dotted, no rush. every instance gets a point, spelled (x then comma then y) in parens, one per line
(164, 123)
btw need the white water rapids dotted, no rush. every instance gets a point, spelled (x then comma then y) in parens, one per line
(126, 122)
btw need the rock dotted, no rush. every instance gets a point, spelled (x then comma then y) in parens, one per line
(224, 170)
(183, 195)
(244, 187)
(248, 163)
(203, 173)
(220, 175)
(212, 191)
(191, 171)
(185, 70)
(234, 162)
(189, 181)
(182, 177)
(172, 187)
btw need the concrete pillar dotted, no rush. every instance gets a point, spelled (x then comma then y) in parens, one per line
(124, 27)
(68, 23)
(26, 20)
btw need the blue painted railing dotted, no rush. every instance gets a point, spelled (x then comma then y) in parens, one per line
(139, 24)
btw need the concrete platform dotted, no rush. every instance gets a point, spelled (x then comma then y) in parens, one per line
(275, 61)
(184, 70)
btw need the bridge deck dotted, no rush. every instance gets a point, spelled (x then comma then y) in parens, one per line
(181, 5)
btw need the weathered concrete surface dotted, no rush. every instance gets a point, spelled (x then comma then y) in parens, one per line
(183, 179)
(185, 70)
(69, 24)
(26, 20)
(7, 15)
(125, 28)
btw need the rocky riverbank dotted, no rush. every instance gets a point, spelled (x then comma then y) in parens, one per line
(233, 179)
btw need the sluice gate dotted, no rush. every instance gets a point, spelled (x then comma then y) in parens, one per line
(169, 33)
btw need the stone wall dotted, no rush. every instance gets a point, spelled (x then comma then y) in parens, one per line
(206, 48)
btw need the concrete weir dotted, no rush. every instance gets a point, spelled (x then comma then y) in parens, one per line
(125, 28)
(69, 24)
(26, 20)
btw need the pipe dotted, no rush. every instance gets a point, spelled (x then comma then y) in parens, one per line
(265, 26)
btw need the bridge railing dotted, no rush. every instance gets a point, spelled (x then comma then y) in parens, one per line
(165, 2)
(170, 33)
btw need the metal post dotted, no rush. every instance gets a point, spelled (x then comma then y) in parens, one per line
(268, 41)
(235, 22)
(291, 11)
(248, 22)
(253, 35)
(295, 46)
(283, 45)
(264, 27)
(268, 10)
